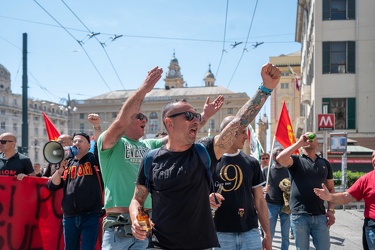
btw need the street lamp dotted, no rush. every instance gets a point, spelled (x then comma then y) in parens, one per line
(68, 106)
(36, 149)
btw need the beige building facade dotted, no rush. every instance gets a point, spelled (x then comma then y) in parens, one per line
(337, 66)
(11, 118)
(287, 91)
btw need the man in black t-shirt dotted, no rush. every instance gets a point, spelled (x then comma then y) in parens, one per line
(178, 183)
(13, 163)
(242, 198)
(308, 214)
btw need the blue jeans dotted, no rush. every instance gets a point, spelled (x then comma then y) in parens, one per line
(82, 228)
(274, 211)
(369, 234)
(304, 225)
(111, 241)
(240, 241)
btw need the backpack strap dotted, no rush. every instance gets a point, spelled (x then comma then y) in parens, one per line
(147, 166)
(206, 160)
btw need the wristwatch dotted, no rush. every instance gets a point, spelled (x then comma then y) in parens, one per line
(332, 210)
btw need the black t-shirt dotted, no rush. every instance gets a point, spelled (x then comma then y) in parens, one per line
(17, 164)
(82, 185)
(305, 175)
(180, 199)
(240, 174)
(274, 193)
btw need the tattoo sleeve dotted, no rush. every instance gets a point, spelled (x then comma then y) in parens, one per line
(243, 118)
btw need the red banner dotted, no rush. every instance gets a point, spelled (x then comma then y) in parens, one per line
(30, 215)
(28, 211)
(284, 131)
(52, 131)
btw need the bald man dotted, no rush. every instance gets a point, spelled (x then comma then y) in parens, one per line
(13, 163)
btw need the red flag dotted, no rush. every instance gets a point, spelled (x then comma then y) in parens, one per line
(53, 133)
(284, 131)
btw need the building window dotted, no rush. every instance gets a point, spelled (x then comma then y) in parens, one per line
(343, 109)
(212, 124)
(338, 57)
(114, 114)
(230, 111)
(284, 85)
(15, 128)
(81, 116)
(81, 127)
(2, 111)
(285, 73)
(2, 125)
(153, 123)
(338, 9)
(36, 131)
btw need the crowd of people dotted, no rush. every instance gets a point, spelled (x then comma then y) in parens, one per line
(175, 179)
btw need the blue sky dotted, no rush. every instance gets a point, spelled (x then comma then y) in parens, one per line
(197, 30)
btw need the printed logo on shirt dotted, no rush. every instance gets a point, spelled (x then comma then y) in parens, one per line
(78, 171)
(232, 174)
(133, 154)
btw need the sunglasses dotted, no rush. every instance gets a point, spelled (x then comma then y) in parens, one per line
(141, 116)
(5, 141)
(265, 159)
(189, 116)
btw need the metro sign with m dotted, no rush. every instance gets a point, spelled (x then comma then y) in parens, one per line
(326, 122)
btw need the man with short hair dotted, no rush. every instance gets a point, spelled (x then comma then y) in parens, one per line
(120, 154)
(308, 214)
(13, 163)
(244, 203)
(178, 182)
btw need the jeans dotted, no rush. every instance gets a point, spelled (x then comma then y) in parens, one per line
(304, 225)
(240, 241)
(114, 241)
(368, 234)
(274, 211)
(82, 228)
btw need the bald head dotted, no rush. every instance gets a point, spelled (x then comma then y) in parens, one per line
(65, 140)
(8, 136)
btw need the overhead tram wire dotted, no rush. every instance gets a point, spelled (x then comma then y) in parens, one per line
(101, 44)
(93, 64)
(225, 31)
(244, 49)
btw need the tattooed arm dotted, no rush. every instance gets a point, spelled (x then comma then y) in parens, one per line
(139, 197)
(270, 76)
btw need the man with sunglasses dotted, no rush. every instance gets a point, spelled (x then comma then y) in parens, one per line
(13, 163)
(178, 182)
(120, 153)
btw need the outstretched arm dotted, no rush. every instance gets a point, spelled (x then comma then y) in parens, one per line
(337, 198)
(210, 109)
(271, 77)
(284, 157)
(130, 108)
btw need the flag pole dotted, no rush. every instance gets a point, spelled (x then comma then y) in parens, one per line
(269, 163)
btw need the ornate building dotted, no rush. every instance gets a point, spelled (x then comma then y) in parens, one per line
(11, 117)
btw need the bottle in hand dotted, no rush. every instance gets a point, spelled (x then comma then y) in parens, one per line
(144, 221)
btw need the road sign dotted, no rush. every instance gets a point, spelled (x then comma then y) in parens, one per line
(326, 122)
